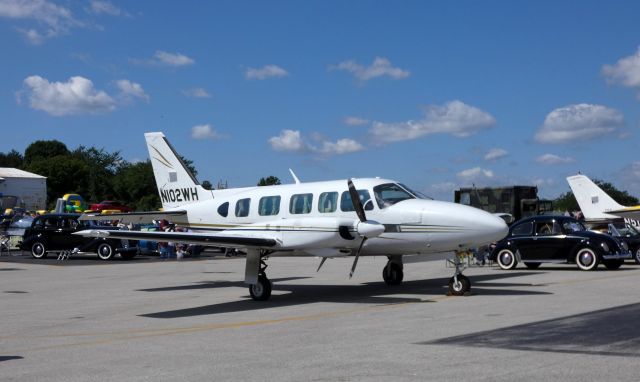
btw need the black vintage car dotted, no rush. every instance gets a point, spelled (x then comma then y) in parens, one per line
(54, 232)
(624, 232)
(558, 239)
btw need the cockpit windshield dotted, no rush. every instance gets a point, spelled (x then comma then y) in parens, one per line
(415, 193)
(389, 194)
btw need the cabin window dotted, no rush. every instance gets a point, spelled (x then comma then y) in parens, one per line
(328, 202)
(269, 205)
(242, 207)
(346, 205)
(390, 194)
(223, 210)
(300, 203)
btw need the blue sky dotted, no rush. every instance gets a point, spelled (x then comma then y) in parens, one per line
(437, 95)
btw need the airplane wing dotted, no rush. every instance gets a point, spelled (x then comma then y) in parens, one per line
(133, 217)
(628, 212)
(219, 239)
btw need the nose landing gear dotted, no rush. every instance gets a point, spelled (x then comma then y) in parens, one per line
(459, 284)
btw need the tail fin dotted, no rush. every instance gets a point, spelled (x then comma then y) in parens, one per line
(593, 201)
(176, 184)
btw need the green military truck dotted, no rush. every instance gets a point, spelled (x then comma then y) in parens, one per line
(519, 201)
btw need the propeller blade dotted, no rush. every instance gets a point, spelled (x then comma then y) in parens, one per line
(321, 263)
(355, 261)
(355, 199)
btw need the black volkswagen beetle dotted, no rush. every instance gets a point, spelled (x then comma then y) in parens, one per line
(558, 239)
(55, 232)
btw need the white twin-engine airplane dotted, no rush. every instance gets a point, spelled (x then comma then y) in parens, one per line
(359, 217)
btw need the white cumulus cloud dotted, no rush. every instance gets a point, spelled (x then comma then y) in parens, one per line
(475, 174)
(52, 19)
(495, 154)
(355, 121)
(76, 96)
(172, 59)
(551, 159)
(455, 118)
(579, 122)
(380, 67)
(625, 72)
(268, 71)
(204, 131)
(292, 141)
(196, 93)
(130, 90)
(106, 7)
(288, 140)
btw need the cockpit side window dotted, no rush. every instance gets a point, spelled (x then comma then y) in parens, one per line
(389, 194)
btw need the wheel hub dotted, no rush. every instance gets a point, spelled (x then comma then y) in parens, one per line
(586, 258)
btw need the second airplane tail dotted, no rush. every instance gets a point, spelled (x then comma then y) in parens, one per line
(176, 184)
(593, 201)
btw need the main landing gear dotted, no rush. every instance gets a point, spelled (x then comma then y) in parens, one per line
(256, 277)
(459, 284)
(392, 273)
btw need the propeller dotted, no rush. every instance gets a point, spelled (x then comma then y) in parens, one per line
(366, 228)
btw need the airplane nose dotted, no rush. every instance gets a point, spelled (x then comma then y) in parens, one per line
(496, 226)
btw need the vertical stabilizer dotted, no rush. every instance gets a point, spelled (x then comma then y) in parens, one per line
(593, 201)
(176, 184)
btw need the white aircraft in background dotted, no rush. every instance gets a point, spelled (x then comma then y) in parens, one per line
(596, 204)
(360, 217)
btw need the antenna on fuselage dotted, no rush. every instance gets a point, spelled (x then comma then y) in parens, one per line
(295, 178)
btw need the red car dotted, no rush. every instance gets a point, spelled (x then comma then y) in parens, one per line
(109, 205)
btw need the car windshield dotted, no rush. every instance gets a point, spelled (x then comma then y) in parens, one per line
(573, 226)
(626, 230)
(389, 194)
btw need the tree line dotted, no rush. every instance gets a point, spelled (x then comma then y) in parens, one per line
(97, 175)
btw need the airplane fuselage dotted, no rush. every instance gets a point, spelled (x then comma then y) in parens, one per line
(319, 219)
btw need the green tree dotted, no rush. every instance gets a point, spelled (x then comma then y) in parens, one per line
(189, 165)
(207, 185)
(65, 175)
(568, 202)
(134, 184)
(11, 159)
(269, 181)
(44, 150)
(102, 167)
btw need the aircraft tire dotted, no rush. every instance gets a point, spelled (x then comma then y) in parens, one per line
(38, 250)
(105, 251)
(460, 288)
(587, 259)
(506, 259)
(392, 274)
(261, 291)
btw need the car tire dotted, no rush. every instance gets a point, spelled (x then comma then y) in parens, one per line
(587, 259)
(636, 255)
(105, 251)
(612, 265)
(38, 250)
(532, 265)
(506, 259)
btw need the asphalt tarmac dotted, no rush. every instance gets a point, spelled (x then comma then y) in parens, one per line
(150, 320)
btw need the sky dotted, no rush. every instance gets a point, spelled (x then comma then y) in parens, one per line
(435, 94)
